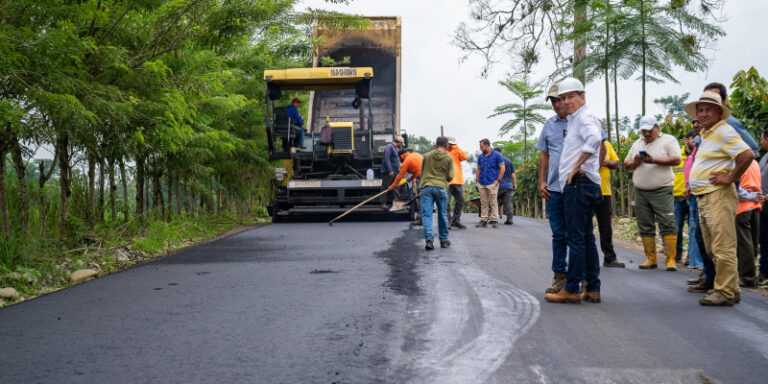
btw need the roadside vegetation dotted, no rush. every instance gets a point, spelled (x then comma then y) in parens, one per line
(129, 129)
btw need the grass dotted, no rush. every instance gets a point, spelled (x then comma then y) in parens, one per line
(37, 266)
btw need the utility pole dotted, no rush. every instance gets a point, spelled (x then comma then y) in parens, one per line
(442, 133)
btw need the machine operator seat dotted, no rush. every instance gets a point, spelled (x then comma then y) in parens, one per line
(282, 127)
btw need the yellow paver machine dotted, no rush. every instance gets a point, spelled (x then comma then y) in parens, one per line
(329, 176)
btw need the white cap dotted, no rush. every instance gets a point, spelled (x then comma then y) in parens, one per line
(647, 122)
(569, 85)
(452, 140)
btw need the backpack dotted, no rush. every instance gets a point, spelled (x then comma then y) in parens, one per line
(326, 136)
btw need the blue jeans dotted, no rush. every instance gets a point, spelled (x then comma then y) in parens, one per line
(708, 267)
(556, 214)
(299, 135)
(764, 241)
(582, 197)
(694, 253)
(429, 197)
(681, 216)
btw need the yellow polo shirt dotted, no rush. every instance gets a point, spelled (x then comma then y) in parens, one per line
(605, 173)
(717, 153)
(680, 174)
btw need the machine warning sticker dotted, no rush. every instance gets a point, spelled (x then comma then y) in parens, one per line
(370, 183)
(304, 184)
(343, 71)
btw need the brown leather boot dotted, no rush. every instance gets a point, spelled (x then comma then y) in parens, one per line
(649, 246)
(557, 283)
(563, 296)
(592, 297)
(670, 244)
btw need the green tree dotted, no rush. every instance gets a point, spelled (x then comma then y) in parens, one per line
(749, 100)
(673, 105)
(420, 144)
(524, 115)
(658, 36)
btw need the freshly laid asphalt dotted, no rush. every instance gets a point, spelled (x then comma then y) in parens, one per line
(363, 302)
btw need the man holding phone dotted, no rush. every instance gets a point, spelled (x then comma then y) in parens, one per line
(652, 158)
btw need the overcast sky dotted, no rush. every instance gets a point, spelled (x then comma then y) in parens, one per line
(436, 90)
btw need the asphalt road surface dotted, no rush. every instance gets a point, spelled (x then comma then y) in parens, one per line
(365, 303)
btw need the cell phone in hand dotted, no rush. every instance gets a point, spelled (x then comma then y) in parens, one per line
(643, 153)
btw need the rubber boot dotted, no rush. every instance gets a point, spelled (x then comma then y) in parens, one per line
(649, 246)
(670, 243)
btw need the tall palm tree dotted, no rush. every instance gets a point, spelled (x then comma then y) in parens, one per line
(659, 35)
(524, 115)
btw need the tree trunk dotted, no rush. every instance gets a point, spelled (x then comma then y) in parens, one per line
(178, 196)
(21, 172)
(621, 194)
(91, 206)
(6, 217)
(112, 189)
(191, 200)
(62, 144)
(139, 186)
(645, 50)
(124, 182)
(169, 201)
(102, 199)
(157, 190)
(43, 200)
(579, 43)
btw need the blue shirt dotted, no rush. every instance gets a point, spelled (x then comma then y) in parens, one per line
(489, 167)
(551, 141)
(391, 161)
(506, 180)
(293, 113)
(739, 127)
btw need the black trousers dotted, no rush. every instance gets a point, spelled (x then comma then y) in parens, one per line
(386, 182)
(747, 242)
(505, 195)
(455, 191)
(604, 215)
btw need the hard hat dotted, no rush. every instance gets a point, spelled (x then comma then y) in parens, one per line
(569, 85)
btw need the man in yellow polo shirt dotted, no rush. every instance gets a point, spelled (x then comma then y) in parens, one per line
(720, 161)
(681, 205)
(605, 207)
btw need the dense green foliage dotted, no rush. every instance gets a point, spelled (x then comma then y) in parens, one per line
(749, 100)
(116, 111)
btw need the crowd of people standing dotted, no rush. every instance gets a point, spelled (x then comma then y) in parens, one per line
(713, 183)
(438, 176)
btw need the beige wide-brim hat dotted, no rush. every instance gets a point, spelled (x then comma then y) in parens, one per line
(708, 97)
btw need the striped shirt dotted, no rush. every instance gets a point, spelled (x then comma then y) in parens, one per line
(719, 147)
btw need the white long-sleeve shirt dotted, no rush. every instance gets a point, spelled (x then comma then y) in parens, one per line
(584, 134)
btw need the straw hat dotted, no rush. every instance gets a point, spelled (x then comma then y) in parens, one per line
(708, 97)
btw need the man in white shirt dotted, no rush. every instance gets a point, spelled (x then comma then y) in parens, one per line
(652, 157)
(580, 178)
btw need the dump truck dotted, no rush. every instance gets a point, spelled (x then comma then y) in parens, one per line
(359, 104)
